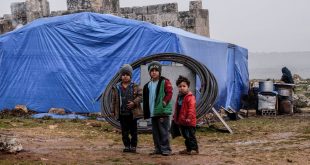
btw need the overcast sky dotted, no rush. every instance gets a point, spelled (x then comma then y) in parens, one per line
(259, 25)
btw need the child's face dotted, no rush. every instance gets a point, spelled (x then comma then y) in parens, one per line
(154, 73)
(183, 87)
(126, 78)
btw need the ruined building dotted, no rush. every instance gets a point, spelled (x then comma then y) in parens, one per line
(195, 20)
(37, 9)
(24, 12)
(18, 10)
(6, 24)
(98, 6)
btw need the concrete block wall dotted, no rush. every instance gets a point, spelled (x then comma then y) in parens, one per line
(168, 19)
(187, 21)
(201, 17)
(37, 9)
(79, 4)
(193, 5)
(110, 6)
(195, 20)
(58, 13)
(23, 13)
(5, 25)
(162, 8)
(202, 22)
(99, 6)
(7, 16)
(93, 5)
(18, 11)
(152, 9)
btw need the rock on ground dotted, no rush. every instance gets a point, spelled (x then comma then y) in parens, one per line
(9, 144)
(301, 101)
(59, 111)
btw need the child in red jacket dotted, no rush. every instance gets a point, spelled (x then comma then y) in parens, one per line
(185, 115)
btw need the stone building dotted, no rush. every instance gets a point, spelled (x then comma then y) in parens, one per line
(18, 10)
(196, 20)
(5, 25)
(99, 6)
(37, 9)
(23, 13)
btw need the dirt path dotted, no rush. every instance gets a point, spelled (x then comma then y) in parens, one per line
(279, 140)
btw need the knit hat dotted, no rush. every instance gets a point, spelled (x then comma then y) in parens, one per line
(155, 65)
(126, 68)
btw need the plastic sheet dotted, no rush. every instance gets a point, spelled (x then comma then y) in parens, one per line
(67, 61)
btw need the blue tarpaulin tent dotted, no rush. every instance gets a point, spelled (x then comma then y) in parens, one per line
(67, 61)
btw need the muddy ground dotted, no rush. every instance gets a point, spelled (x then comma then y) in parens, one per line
(256, 140)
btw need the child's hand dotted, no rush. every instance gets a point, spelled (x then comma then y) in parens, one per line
(164, 103)
(188, 120)
(130, 104)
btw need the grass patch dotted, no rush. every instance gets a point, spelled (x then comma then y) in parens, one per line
(30, 124)
(4, 125)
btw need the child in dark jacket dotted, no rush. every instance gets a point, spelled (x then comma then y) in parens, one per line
(185, 115)
(127, 97)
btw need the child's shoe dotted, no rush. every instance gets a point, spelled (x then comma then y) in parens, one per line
(126, 149)
(185, 152)
(195, 152)
(166, 153)
(155, 153)
(133, 149)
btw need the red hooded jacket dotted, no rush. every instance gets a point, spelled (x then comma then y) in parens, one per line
(187, 113)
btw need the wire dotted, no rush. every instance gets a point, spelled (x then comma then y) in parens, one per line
(208, 89)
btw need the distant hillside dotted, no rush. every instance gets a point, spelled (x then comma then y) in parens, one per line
(268, 65)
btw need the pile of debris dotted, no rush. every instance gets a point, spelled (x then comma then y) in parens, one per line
(302, 92)
(301, 101)
(9, 144)
(18, 111)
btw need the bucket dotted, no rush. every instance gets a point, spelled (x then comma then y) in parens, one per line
(266, 86)
(284, 92)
